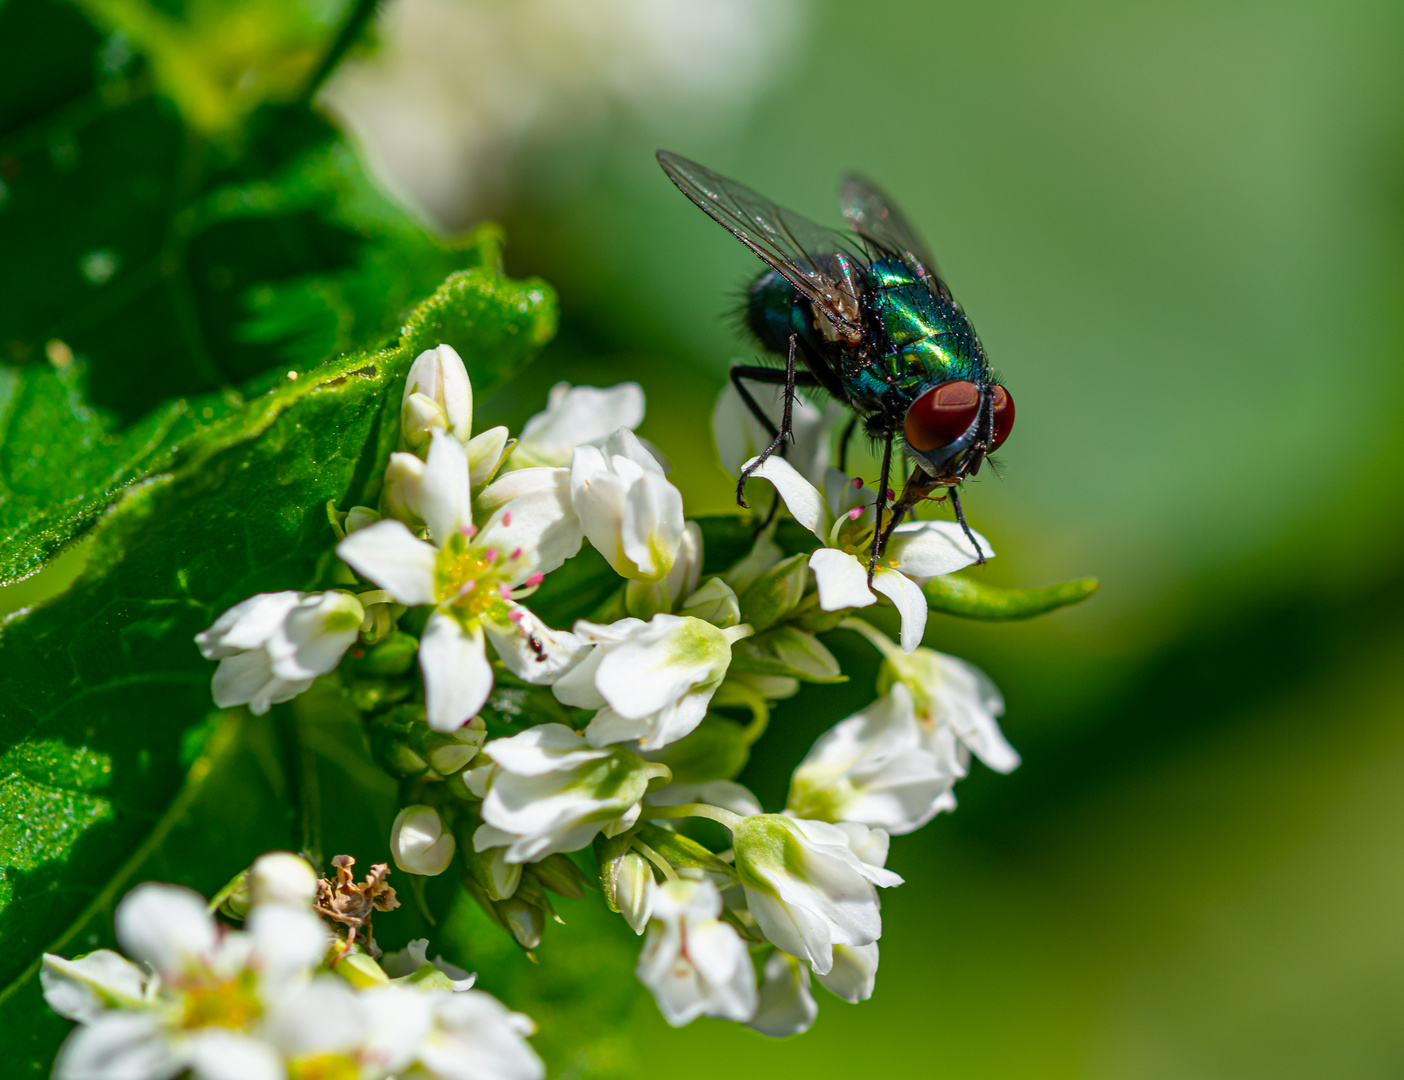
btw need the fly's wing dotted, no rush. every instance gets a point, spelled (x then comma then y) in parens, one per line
(817, 261)
(882, 225)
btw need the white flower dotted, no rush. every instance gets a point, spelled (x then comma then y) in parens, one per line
(628, 510)
(548, 791)
(456, 87)
(955, 702)
(650, 681)
(418, 842)
(271, 647)
(875, 768)
(438, 396)
(575, 416)
(468, 1035)
(473, 575)
(917, 551)
(854, 972)
(280, 877)
(739, 436)
(695, 964)
(202, 1004)
(809, 884)
(786, 1004)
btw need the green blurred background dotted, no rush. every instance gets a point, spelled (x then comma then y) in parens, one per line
(1178, 229)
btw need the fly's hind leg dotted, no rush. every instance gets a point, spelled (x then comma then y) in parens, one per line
(790, 379)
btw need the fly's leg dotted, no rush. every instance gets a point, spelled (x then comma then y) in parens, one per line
(960, 517)
(879, 533)
(790, 379)
(914, 491)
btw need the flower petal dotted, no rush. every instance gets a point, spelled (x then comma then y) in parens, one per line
(119, 1045)
(925, 549)
(166, 926)
(908, 599)
(457, 675)
(842, 580)
(443, 491)
(804, 501)
(576, 415)
(390, 555)
(84, 988)
(554, 653)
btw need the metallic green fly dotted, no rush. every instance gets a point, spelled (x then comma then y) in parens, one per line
(874, 326)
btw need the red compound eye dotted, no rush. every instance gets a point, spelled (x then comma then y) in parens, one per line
(941, 415)
(1003, 416)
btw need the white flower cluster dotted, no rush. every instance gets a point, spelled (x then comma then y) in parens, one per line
(611, 735)
(270, 1002)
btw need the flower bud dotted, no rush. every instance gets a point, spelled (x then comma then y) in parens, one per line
(715, 602)
(450, 752)
(776, 593)
(786, 651)
(399, 496)
(490, 869)
(561, 876)
(525, 921)
(633, 890)
(280, 877)
(360, 970)
(437, 395)
(419, 843)
(393, 656)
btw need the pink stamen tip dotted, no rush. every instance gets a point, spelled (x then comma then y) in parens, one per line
(507, 518)
(517, 615)
(505, 590)
(855, 513)
(857, 481)
(491, 554)
(535, 580)
(517, 553)
(467, 587)
(891, 495)
(470, 530)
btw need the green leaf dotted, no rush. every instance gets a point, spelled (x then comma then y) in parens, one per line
(154, 280)
(231, 808)
(975, 600)
(98, 686)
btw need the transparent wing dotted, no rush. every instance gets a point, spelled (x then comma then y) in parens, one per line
(879, 222)
(820, 262)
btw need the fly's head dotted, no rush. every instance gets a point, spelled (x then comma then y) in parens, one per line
(951, 427)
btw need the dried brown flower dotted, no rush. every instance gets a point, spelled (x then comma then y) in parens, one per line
(353, 903)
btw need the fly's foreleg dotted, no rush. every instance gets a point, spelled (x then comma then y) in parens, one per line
(879, 533)
(790, 378)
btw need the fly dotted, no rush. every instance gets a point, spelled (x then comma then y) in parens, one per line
(865, 317)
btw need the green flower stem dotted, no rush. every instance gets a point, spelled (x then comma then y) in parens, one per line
(652, 856)
(696, 809)
(351, 30)
(760, 712)
(975, 600)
